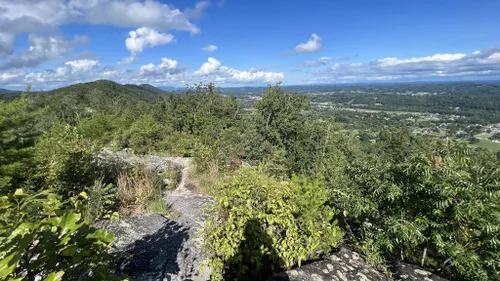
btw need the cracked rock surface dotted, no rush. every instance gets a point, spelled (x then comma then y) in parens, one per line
(347, 265)
(410, 272)
(152, 247)
(343, 265)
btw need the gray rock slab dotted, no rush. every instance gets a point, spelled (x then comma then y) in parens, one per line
(410, 272)
(343, 265)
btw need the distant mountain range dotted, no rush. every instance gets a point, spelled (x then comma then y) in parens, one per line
(107, 91)
(5, 91)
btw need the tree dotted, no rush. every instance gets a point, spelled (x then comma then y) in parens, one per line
(435, 206)
(17, 135)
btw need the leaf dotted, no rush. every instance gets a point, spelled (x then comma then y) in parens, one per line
(84, 195)
(346, 213)
(8, 264)
(115, 216)
(68, 222)
(55, 276)
(69, 251)
(102, 235)
(19, 192)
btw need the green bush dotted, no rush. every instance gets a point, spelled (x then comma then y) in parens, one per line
(101, 202)
(259, 224)
(65, 161)
(143, 134)
(98, 127)
(53, 244)
(438, 208)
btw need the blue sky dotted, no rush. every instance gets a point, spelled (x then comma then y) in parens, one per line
(52, 43)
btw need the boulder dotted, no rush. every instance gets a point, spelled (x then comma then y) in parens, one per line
(343, 265)
(410, 272)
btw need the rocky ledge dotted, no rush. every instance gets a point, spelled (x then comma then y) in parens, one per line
(346, 265)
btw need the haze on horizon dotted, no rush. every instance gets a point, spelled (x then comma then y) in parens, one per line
(53, 43)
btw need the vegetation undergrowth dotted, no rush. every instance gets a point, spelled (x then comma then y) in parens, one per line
(140, 191)
(260, 224)
(289, 183)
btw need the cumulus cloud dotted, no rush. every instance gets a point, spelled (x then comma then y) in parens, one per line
(42, 49)
(311, 46)
(6, 44)
(167, 72)
(166, 68)
(33, 16)
(485, 63)
(82, 65)
(209, 67)
(213, 70)
(209, 48)
(144, 37)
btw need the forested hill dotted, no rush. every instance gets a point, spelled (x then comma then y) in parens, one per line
(104, 90)
(5, 91)
(8, 94)
(98, 96)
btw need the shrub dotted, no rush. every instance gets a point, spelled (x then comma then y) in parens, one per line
(98, 127)
(437, 207)
(56, 243)
(259, 224)
(101, 201)
(65, 161)
(143, 134)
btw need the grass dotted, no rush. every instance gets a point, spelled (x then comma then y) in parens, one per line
(203, 181)
(494, 146)
(140, 192)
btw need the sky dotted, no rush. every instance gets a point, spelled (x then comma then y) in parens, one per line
(53, 43)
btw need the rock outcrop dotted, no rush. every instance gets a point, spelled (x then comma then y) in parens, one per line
(152, 247)
(346, 265)
(343, 265)
(410, 272)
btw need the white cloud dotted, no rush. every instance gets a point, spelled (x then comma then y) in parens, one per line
(198, 9)
(211, 66)
(33, 16)
(168, 72)
(144, 37)
(319, 62)
(213, 71)
(42, 49)
(485, 63)
(166, 67)
(6, 44)
(210, 48)
(434, 58)
(82, 65)
(7, 76)
(311, 46)
(253, 75)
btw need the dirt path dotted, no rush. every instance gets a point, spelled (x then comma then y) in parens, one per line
(153, 247)
(187, 203)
